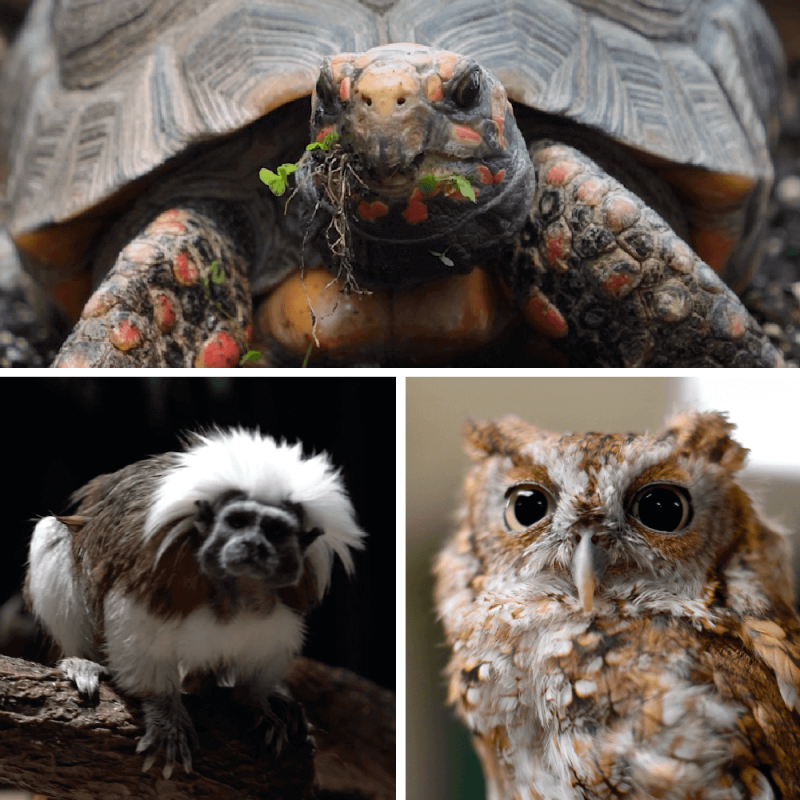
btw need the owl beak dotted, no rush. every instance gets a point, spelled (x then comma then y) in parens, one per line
(589, 563)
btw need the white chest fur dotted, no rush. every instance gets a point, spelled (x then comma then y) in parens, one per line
(150, 654)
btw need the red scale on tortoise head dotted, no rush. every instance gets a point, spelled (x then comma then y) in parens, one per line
(486, 176)
(371, 211)
(465, 134)
(416, 210)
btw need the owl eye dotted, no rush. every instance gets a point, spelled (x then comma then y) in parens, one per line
(525, 506)
(662, 507)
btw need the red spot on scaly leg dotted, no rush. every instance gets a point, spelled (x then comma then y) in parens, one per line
(164, 312)
(219, 351)
(544, 316)
(324, 132)
(125, 336)
(736, 327)
(618, 281)
(344, 90)
(562, 173)
(169, 222)
(185, 270)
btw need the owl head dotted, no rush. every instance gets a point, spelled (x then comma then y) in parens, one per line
(623, 521)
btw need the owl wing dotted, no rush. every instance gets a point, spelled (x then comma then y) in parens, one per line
(742, 674)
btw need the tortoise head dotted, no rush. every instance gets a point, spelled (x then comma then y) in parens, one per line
(428, 169)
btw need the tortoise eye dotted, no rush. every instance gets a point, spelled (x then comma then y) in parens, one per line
(324, 92)
(468, 90)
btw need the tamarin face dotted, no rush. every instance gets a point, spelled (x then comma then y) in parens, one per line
(244, 537)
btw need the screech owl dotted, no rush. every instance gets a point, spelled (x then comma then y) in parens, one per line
(621, 618)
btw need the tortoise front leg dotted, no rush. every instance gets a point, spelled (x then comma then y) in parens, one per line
(177, 296)
(612, 285)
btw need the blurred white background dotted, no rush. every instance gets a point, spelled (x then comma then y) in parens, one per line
(763, 404)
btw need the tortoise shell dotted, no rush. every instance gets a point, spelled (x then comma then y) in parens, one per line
(97, 99)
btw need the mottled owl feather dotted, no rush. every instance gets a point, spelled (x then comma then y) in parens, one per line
(621, 618)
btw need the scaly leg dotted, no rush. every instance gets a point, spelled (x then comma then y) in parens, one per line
(611, 283)
(177, 296)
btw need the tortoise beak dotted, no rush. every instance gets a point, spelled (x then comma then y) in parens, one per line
(589, 562)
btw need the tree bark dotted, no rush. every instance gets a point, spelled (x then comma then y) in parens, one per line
(54, 744)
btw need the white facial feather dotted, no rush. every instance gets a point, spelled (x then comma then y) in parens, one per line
(266, 470)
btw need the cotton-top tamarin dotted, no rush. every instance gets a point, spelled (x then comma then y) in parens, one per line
(200, 561)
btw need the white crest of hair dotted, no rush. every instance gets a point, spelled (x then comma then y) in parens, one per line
(267, 470)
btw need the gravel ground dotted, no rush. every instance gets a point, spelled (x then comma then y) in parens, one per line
(774, 296)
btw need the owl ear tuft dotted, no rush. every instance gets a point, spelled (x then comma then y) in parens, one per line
(503, 436)
(708, 434)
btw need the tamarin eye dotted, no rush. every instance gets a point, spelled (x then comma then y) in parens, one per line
(275, 530)
(239, 519)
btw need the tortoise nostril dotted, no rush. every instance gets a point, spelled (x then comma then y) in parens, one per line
(401, 101)
(367, 100)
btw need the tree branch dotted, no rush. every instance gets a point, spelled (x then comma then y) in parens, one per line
(54, 744)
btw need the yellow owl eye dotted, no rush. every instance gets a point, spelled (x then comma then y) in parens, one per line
(662, 507)
(525, 506)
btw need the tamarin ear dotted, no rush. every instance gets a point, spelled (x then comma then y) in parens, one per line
(308, 537)
(204, 517)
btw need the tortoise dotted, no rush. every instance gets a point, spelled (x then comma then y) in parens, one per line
(606, 218)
